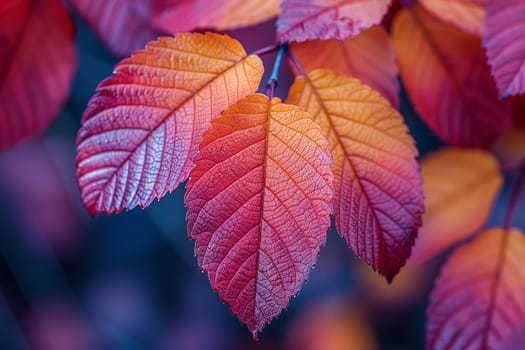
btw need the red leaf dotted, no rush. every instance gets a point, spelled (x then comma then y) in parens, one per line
(141, 130)
(478, 301)
(258, 205)
(217, 14)
(369, 57)
(123, 25)
(378, 198)
(37, 60)
(505, 43)
(302, 20)
(448, 81)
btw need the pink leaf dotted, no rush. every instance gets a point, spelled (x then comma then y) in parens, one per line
(505, 43)
(217, 14)
(142, 128)
(302, 20)
(478, 301)
(258, 205)
(37, 60)
(123, 25)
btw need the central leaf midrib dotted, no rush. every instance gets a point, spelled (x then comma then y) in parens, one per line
(348, 157)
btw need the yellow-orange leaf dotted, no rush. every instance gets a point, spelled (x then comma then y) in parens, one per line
(464, 14)
(369, 57)
(460, 187)
(378, 198)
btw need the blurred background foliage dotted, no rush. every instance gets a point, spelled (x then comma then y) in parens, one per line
(131, 281)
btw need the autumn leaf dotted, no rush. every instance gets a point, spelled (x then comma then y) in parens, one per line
(123, 25)
(378, 198)
(302, 20)
(478, 302)
(369, 57)
(460, 186)
(259, 204)
(448, 81)
(505, 43)
(466, 15)
(142, 128)
(216, 14)
(37, 60)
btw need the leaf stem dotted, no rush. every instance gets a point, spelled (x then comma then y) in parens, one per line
(272, 82)
(513, 203)
(296, 63)
(265, 50)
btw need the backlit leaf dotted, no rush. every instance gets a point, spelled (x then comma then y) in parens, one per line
(478, 301)
(378, 198)
(217, 14)
(505, 43)
(142, 128)
(37, 60)
(259, 204)
(302, 20)
(123, 25)
(460, 187)
(369, 57)
(448, 81)
(464, 14)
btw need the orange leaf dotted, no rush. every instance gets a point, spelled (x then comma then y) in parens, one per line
(187, 15)
(369, 57)
(259, 205)
(378, 198)
(467, 15)
(142, 128)
(478, 301)
(460, 187)
(445, 72)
